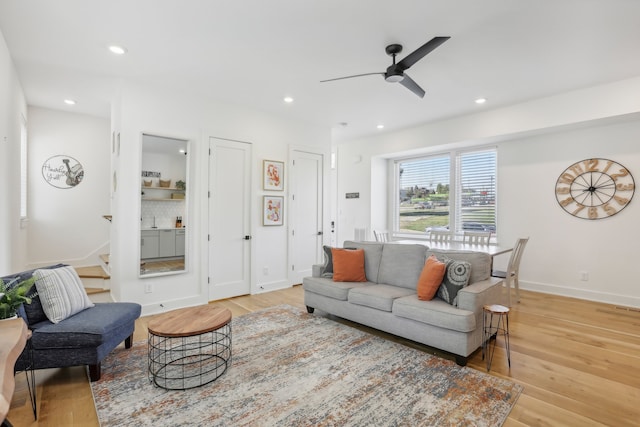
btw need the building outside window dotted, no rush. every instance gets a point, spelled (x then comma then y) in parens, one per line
(454, 191)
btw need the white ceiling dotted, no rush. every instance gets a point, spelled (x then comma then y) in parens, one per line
(255, 52)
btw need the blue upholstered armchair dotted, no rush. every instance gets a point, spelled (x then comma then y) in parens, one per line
(82, 338)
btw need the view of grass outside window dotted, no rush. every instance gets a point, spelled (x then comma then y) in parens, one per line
(454, 191)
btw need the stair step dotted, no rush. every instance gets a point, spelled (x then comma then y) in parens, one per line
(93, 291)
(92, 272)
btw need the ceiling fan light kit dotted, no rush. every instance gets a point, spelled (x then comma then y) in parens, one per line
(395, 72)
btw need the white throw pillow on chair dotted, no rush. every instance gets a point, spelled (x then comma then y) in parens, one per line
(62, 293)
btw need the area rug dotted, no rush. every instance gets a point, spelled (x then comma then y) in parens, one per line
(291, 368)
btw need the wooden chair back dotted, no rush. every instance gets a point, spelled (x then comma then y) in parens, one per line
(477, 237)
(440, 236)
(381, 236)
(511, 276)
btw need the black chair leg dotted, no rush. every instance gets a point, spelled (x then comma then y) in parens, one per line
(94, 372)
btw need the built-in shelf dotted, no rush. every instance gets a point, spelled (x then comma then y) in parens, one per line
(162, 188)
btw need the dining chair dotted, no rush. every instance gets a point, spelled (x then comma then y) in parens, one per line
(381, 236)
(513, 269)
(477, 237)
(440, 236)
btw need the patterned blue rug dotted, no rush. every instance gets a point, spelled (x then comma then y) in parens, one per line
(294, 369)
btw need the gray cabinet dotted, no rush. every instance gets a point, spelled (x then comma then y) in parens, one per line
(149, 244)
(167, 244)
(180, 233)
(162, 243)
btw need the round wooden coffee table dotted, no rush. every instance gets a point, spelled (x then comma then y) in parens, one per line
(189, 347)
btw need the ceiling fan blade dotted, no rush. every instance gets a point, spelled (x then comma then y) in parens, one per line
(412, 86)
(420, 52)
(350, 77)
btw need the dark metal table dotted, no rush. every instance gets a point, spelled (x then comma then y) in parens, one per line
(189, 347)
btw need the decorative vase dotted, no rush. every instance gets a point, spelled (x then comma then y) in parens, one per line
(15, 316)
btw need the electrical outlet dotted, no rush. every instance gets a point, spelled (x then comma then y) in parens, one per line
(584, 276)
(148, 288)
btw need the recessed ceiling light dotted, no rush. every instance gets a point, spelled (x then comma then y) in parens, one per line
(288, 99)
(481, 100)
(380, 126)
(70, 102)
(118, 50)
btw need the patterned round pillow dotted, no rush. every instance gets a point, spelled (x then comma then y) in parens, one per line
(455, 278)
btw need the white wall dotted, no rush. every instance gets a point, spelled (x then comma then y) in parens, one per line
(139, 109)
(66, 225)
(12, 108)
(562, 245)
(536, 142)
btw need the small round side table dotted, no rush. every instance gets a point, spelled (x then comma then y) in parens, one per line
(189, 347)
(501, 313)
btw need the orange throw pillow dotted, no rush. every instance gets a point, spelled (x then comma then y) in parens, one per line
(430, 278)
(348, 265)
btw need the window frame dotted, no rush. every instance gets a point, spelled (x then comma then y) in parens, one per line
(455, 185)
(24, 170)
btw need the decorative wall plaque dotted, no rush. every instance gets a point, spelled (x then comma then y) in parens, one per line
(62, 171)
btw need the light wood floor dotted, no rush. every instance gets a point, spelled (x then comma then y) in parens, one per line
(579, 363)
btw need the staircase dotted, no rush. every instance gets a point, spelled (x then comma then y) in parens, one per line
(96, 282)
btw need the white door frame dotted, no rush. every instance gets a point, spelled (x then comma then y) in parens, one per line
(211, 140)
(325, 154)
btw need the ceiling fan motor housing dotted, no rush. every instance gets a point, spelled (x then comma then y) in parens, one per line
(393, 74)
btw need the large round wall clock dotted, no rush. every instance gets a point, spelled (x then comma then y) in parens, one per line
(595, 188)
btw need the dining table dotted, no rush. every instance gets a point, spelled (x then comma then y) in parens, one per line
(492, 249)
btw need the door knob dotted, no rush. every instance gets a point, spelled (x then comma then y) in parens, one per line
(319, 233)
(247, 237)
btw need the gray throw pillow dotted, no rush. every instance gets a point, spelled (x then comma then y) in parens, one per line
(327, 268)
(456, 277)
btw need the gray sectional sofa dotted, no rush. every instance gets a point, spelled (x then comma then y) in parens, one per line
(388, 300)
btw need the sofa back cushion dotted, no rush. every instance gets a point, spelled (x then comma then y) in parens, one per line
(401, 264)
(372, 255)
(480, 262)
(348, 265)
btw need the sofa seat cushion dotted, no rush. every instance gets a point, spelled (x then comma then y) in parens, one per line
(436, 313)
(89, 328)
(380, 297)
(329, 288)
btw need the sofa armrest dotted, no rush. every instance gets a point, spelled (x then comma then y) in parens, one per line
(316, 270)
(478, 294)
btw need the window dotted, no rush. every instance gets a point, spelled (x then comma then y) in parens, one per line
(455, 191)
(23, 168)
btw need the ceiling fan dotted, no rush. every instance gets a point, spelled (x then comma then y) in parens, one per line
(395, 72)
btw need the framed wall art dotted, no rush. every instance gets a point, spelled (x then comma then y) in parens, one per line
(272, 210)
(273, 175)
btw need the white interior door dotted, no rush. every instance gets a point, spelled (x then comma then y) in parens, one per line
(229, 218)
(305, 234)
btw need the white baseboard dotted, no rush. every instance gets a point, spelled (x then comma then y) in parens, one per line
(164, 306)
(605, 297)
(271, 286)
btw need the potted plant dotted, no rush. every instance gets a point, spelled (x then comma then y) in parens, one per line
(12, 296)
(181, 185)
